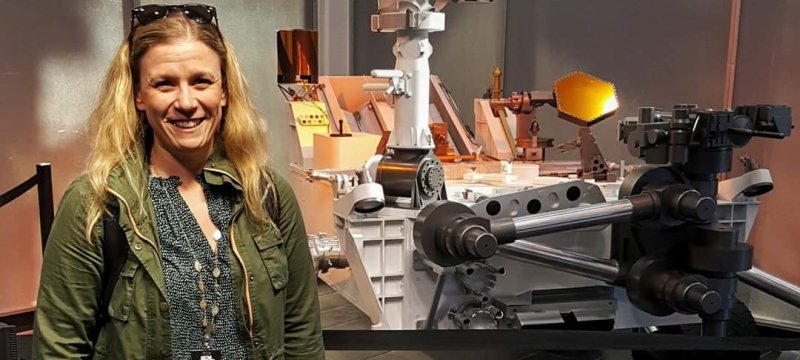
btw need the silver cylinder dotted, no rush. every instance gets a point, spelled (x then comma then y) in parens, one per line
(564, 260)
(771, 285)
(574, 218)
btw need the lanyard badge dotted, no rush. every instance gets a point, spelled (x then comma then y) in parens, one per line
(206, 355)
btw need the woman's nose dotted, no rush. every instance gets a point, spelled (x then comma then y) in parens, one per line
(187, 101)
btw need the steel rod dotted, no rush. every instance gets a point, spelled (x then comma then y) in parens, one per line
(772, 285)
(574, 218)
(564, 260)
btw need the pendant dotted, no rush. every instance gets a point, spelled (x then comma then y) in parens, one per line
(217, 235)
(214, 310)
(197, 265)
(203, 304)
(215, 272)
(206, 355)
(201, 286)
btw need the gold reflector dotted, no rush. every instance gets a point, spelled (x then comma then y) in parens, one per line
(585, 99)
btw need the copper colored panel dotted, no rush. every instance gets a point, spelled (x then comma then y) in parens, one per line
(297, 56)
(439, 132)
(585, 99)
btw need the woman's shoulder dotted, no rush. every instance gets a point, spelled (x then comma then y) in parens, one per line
(79, 185)
(281, 184)
(77, 192)
(276, 177)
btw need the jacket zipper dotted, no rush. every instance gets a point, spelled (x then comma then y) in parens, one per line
(245, 276)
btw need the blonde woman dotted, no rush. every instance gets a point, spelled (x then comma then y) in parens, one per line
(215, 262)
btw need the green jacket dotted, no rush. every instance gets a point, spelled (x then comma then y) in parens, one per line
(273, 276)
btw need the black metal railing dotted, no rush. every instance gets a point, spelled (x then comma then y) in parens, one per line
(43, 181)
(548, 340)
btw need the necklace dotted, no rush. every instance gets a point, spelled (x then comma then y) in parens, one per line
(208, 311)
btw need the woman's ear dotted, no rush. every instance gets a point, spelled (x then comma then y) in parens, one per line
(137, 100)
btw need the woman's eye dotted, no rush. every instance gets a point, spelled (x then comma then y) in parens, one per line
(203, 82)
(162, 84)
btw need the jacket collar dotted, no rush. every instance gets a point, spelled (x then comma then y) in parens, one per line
(218, 170)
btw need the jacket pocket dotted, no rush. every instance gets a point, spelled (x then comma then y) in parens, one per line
(277, 354)
(273, 253)
(119, 307)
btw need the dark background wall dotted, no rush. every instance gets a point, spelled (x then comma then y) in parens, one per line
(768, 72)
(657, 53)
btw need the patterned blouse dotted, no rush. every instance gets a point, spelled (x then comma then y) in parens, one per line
(182, 242)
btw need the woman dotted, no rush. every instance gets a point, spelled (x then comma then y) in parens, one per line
(178, 162)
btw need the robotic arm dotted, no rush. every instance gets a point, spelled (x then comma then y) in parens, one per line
(675, 257)
(409, 169)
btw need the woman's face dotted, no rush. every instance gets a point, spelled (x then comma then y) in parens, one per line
(180, 91)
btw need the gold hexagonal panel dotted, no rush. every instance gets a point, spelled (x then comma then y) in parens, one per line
(584, 99)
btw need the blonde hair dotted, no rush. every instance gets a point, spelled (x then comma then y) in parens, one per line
(118, 132)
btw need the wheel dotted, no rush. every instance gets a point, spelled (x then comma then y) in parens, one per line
(741, 324)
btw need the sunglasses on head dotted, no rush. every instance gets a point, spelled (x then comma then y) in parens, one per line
(202, 14)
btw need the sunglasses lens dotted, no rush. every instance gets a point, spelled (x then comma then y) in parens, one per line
(201, 13)
(149, 13)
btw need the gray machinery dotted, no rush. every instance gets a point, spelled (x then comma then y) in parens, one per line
(8, 342)
(668, 251)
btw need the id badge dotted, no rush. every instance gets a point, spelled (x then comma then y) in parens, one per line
(206, 355)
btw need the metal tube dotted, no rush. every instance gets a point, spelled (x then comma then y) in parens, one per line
(45, 189)
(564, 260)
(575, 218)
(772, 285)
(411, 111)
(733, 47)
